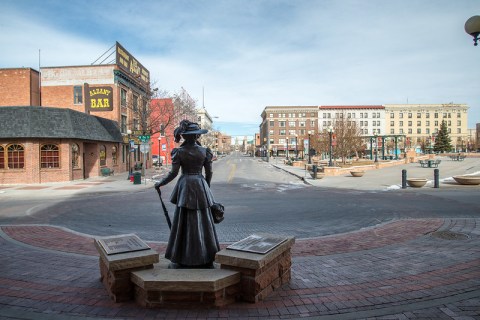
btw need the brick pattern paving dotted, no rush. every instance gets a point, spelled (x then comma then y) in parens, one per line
(399, 271)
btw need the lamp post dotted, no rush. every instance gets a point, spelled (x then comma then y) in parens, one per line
(129, 132)
(472, 27)
(330, 134)
(309, 147)
(268, 145)
(286, 153)
(296, 146)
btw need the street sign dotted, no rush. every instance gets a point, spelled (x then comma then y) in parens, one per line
(144, 148)
(144, 138)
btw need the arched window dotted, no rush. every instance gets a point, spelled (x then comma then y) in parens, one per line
(103, 155)
(15, 156)
(114, 155)
(2, 158)
(49, 156)
(75, 155)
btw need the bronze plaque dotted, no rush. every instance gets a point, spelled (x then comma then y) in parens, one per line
(257, 243)
(123, 243)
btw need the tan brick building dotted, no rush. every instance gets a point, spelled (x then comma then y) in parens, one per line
(421, 122)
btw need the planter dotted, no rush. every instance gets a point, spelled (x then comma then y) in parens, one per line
(416, 182)
(357, 173)
(320, 175)
(468, 180)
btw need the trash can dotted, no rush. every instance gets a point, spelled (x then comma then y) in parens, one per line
(137, 178)
(314, 171)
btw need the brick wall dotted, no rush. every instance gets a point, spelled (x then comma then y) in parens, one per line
(19, 87)
(32, 173)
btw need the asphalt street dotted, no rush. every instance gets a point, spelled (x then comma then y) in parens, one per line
(258, 197)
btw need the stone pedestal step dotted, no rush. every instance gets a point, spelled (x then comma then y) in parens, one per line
(162, 287)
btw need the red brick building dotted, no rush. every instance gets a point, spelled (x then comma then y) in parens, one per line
(119, 92)
(39, 145)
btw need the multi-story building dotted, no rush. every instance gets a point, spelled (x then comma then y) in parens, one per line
(118, 92)
(19, 87)
(285, 129)
(421, 122)
(370, 119)
(282, 126)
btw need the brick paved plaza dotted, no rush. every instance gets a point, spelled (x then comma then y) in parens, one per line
(427, 269)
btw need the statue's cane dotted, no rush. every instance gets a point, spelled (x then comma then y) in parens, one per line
(164, 209)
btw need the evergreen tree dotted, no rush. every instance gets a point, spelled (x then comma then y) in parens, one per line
(442, 141)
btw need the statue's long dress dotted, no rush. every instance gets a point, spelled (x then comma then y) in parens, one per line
(193, 240)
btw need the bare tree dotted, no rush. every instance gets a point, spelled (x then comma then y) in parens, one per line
(166, 111)
(348, 137)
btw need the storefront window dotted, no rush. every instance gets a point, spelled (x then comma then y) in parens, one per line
(2, 158)
(49, 156)
(16, 156)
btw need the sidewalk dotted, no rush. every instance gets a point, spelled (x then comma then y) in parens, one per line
(111, 184)
(390, 178)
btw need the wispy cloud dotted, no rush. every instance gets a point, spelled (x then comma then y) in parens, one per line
(250, 54)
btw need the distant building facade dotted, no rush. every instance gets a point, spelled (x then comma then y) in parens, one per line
(286, 127)
(421, 122)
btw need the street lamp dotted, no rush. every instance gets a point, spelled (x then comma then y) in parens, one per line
(129, 132)
(286, 153)
(296, 146)
(472, 27)
(330, 134)
(309, 147)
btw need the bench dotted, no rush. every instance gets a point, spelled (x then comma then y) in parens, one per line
(429, 163)
(435, 163)
(106, 172)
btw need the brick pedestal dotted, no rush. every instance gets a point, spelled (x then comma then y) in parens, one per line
(116, 269)
(261, 273)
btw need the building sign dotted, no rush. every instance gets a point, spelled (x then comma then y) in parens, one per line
(128, 64)
(98, 98)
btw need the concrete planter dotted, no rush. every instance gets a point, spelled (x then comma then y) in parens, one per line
(416, 182)
(357, 173)
(320, 175)
(467, 180)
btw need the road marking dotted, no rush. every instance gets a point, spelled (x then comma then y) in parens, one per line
(232, 173)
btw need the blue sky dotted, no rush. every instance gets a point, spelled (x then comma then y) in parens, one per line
(249, 54)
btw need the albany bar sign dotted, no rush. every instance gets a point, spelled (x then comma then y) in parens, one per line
(98, 98)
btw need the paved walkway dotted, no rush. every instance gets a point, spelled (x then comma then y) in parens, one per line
(406, 269)
(391, 178)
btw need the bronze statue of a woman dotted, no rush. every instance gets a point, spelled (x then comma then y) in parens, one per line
(193, 240)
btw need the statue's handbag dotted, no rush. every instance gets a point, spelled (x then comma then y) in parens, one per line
(218, 211)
